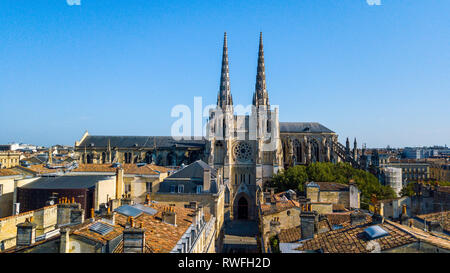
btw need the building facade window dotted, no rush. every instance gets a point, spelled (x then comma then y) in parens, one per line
(172, 188)
(199, 189)
(180, 188)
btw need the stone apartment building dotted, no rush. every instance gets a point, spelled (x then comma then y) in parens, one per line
(278, 212)
(326, 197)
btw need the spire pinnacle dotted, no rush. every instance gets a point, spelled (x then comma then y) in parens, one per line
(261, 97)
(224, 98)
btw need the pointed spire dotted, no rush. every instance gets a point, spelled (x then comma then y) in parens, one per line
(260, 97)
(224, 98)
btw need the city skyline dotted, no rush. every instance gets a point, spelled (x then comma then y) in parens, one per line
(68, 71)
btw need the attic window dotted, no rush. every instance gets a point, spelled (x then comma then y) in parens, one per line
(306, 129)
(92, 144)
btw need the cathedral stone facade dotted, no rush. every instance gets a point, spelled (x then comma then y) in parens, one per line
(246, 149)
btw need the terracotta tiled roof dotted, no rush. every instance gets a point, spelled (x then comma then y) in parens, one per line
(351, 239)
(338, 207)
(290, 235)
(338, 218)
(8, 172)
(160, 237)
(147, 169)
(278, 207)
(442, 217)
(41, 169)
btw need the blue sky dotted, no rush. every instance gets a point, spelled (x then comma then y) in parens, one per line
(377, 73)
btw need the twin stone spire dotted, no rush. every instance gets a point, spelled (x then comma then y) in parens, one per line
(260, 97)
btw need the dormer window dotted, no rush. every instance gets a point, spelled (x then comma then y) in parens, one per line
(199, 189)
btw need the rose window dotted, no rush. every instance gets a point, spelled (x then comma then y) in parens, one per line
(243, 151)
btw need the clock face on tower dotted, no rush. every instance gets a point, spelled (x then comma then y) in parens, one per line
(242, 151)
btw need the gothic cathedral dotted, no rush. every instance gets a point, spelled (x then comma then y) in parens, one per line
(245, 149)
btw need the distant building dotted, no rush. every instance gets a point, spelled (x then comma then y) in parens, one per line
(9, 159)
(392, 177)
(411, 171)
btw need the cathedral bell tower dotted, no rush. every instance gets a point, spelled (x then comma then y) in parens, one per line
(220, 125)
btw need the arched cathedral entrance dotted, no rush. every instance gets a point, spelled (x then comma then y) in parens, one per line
(242, 208)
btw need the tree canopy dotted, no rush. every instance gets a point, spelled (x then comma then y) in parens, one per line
(296, 177)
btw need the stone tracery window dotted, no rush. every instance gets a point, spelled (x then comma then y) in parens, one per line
(243, 151)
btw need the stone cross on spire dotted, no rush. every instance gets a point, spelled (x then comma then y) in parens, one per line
(260, 97)
(224, 98)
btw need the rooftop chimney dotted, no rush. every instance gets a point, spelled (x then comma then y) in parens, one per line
(357, 218)
(404, 216)
(169, 216)
(308, 224)
(206, 179)
(133, 238)
(119, 183)
(26, 233)
(376, 217)
(76, 216)
(64, 245)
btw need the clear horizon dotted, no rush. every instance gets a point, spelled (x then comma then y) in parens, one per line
(377, 73)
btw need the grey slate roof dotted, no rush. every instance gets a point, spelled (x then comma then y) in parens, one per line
(190, 177)
(139, 142)
(193, 170)
(303, 127)
(66, 182)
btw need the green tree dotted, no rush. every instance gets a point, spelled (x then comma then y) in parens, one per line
(296, 177)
